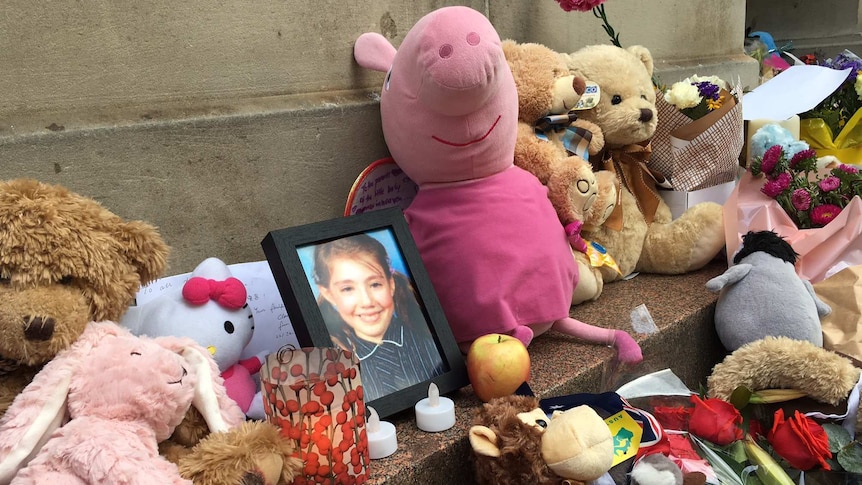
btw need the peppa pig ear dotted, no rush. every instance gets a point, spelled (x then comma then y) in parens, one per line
(41, 407)
(373, 51)
(220, 412)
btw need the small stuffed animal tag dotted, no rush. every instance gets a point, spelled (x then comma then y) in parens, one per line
(590, 98)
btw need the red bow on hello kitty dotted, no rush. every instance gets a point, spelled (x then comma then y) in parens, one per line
(229, 293)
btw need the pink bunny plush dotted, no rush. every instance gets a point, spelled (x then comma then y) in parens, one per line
(490, 239)
(96, 412)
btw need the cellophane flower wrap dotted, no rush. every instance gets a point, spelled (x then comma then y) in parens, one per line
(834, 126)
(700, 133)
(817, 210)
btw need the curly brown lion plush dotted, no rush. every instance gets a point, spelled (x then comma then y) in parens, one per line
(514, 442)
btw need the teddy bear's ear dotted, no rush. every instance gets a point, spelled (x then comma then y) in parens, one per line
(144, 249)
(644, 55)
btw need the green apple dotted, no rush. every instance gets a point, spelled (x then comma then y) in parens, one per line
(497, 365)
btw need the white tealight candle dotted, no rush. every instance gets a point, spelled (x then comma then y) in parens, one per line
(381, 436)
(435, 413)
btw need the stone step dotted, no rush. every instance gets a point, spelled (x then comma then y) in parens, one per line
(686, 343)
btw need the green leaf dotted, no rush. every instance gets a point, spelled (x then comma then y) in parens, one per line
(838, 437)
(850, 458)
(740, 397)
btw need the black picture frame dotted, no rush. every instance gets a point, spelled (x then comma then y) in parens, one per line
(282, 247)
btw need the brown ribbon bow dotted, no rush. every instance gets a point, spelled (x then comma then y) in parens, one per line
(630, 164)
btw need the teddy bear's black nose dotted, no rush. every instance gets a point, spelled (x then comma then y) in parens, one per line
(646, 115)
(38, 328)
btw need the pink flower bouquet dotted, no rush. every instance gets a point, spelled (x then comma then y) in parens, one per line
(817, 210)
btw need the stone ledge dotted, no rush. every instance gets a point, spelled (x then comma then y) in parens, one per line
(686, 343)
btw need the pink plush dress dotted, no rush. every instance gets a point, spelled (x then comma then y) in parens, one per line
(495, 251)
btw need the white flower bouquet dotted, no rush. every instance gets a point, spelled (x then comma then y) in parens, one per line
(700, 133)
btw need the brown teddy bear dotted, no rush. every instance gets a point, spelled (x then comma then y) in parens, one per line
(514, 442)
(66, 260)
(640, 234)
(552, 144)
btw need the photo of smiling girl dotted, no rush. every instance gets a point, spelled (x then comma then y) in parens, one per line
(371, 309)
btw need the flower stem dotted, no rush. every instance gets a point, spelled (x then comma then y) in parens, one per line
(599, 12)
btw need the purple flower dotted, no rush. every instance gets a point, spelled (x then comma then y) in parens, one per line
(801, 199)
(848, 168)
(823, 214)
(829, 184)
(803, 155)
(774, 188)
(843, 61)
(707, 90)
(770, 158)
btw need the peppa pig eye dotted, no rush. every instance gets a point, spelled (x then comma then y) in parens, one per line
(388, 79)
(616, 99)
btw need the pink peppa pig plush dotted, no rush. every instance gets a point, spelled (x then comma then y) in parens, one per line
(490, 239)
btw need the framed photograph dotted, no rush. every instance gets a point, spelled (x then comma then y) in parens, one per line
(358, 283)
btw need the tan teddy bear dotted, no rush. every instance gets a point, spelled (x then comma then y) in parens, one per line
(640, 234)
(552, 144)
(65, 260)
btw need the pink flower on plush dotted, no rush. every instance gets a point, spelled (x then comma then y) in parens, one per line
(848, 168)
(579, 5)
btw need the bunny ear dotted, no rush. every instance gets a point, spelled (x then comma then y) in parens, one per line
(218, 409)
(41, 407)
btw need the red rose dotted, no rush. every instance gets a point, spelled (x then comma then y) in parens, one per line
(672, 417)
(800, 441)
(715, 420)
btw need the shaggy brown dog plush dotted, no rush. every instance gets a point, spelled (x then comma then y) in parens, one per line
(64, 260)
(256, 452)
(783, 363)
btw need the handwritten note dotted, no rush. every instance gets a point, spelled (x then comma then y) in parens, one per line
(380, 186)
(272, 327)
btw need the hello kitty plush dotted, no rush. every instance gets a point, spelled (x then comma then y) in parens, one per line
(497, 254)
(211, 309)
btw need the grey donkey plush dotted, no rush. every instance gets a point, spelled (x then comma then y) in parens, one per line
(761, 295)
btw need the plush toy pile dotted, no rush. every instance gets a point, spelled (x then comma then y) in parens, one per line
(65, 261)
(555, 148)
(449, 108)
(640, 233)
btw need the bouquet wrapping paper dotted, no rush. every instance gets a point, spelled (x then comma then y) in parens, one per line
(696, 154)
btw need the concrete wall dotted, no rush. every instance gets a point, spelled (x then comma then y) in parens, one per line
(221, 120)
(821, 27)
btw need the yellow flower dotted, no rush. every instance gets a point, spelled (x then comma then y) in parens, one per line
(714, 104)
(858, 85)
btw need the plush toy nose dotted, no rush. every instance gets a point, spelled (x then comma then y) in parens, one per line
(646, 115)
(462, 75)
(38, 328)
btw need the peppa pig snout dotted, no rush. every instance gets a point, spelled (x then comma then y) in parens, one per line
(461, 74)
